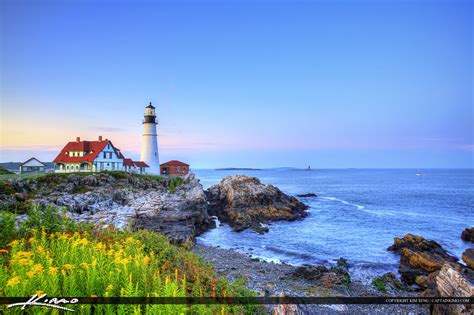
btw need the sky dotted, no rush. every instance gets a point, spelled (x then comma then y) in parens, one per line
(331, 84)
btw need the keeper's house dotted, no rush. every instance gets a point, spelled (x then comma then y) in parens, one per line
(174, 168)
(94, 156)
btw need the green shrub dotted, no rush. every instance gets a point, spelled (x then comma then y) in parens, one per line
(5, 171)
(8, 230)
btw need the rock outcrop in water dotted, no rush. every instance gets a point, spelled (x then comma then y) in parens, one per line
(244, 202)
(419, 257)
(468, 235)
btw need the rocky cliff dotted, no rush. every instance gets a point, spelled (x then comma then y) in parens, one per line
(177, 209)
(119, 198)
(244, 202)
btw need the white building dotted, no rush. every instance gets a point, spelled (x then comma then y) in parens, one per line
(32, 165)
(91, 156)
(149, 151)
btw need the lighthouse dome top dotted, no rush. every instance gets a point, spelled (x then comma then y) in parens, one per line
(150, 110)
(150, 106)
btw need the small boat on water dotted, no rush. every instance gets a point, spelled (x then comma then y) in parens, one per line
(309, 168)
(418, 173)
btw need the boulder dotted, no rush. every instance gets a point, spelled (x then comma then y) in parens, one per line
(180, 216)
(309, 272)
(450, 282)
(468, 257)
(286, 309)
(388, 282)
(419, 257)
(468, 234)
(322, 275)
(244, 202)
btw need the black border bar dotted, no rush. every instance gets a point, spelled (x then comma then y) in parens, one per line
(254, 300)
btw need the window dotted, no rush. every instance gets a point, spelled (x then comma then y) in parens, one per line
(105, 155)
(110, 155)
(107, 164)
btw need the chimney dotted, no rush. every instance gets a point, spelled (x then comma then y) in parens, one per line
(100, 138)
(78, 139)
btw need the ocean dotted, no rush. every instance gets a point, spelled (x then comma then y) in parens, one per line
(356, 215)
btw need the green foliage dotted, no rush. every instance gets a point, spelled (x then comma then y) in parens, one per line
(51, 219)
(7, 227)
(175, 182)
(5, 171)
(80, 190)
(116, 174)
(54, 254)
(6, 188)
(379, 284)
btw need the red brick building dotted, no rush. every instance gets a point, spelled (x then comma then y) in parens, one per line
(174, 168)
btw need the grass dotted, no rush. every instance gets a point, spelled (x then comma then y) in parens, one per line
(4, 177)
(52, 254)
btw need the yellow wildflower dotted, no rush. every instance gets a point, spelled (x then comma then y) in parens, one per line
(39, 293)
(53, 270)
(94, 263)
(25, 261)
(125, 261)
(24, 254)
(32, 240)
(30, 273)
(85, 265)
(40, 249)
(146, 260)
(110, 287)
(82, 241)
(13, 243)
(100, 246)
(68, 266)
(13, 281)
(63, 272)
(38, 268)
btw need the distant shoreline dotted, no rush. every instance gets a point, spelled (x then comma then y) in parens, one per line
(237, 169)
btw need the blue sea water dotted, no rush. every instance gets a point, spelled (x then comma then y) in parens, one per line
(356, 215)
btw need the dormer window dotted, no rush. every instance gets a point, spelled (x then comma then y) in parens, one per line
(66, 153)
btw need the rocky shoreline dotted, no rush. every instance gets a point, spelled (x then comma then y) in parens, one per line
(181, 209)
(271, 279)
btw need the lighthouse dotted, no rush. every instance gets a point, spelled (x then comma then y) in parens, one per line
(149, 152)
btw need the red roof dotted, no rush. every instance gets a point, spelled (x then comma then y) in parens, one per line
(140, 164)
(91, 149)
(127, 162)
(174, 163)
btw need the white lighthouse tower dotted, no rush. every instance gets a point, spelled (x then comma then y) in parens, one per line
(149, 153)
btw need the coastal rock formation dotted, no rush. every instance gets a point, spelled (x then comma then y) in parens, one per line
(449, 281)
(120, 198)
(308, 195)
(388, 283)
(419, 257)
(181, 215)
(244, 202)
(323, 276)
(468, 257)
(468, 235)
